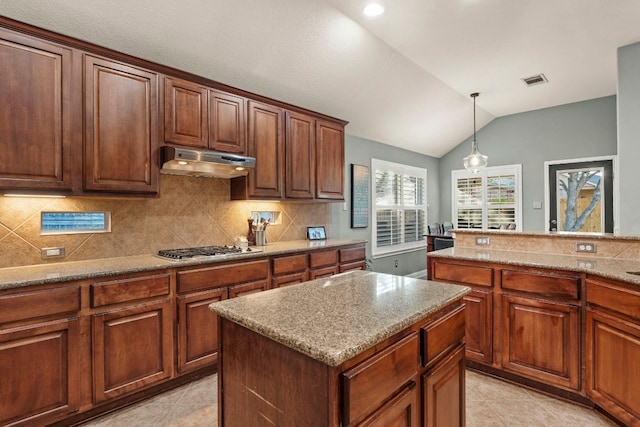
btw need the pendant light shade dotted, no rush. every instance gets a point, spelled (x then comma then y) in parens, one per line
(475, 161)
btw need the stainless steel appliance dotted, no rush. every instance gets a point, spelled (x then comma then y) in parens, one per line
(204, 163)
(203, 251)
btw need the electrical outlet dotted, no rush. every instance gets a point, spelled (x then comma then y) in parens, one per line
(57, 252)
(482, 241)
(396, 263)
(585, 247)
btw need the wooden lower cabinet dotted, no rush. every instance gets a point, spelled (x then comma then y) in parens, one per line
(401, 410)
(198, 329)
(39, 373)
(444, 392)
(613, 348)
(541, 340)
(377, 388)
(132, 348)
(479, 324)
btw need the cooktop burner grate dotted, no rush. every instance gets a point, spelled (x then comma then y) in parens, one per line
(208, 251)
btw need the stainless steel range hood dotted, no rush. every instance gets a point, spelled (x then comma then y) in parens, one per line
(204, 163)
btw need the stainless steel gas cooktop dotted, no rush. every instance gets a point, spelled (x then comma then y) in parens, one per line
(203, 251)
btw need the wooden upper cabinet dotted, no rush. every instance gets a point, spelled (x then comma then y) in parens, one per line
(299, 150)
(35, 122)
(197, 116)
(121, 132)
(266, 144)
(329, 160)
(227, 124)
(185, 113)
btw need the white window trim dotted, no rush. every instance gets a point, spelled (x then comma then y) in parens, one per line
(398, 168)
(459, 173)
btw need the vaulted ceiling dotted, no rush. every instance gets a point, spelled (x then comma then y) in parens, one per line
(402, 78)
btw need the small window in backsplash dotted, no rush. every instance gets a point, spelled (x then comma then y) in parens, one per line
(74, 222)
(272, 217)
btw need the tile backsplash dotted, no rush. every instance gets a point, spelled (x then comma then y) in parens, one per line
(190, 212)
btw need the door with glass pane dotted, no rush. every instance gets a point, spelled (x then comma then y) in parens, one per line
(581, 196)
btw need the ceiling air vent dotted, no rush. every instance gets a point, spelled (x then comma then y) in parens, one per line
(535, 80)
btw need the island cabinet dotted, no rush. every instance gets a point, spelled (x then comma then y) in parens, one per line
(39, 356)
(298, 373)
(199, 287)
(202, 117)
(613, 348)
(121, 130)
(132, 334)
(35, 148)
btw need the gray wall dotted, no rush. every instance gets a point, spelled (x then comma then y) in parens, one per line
(361, 151)
(629, 137)
(582, 129)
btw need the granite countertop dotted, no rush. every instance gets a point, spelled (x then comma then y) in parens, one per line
(613, 268)
(334, 319)
(551, 234)
(41, 274)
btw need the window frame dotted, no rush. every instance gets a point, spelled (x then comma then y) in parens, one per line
(515, 169)
(403, 170)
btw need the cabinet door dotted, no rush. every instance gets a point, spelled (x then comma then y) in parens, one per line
(266, 144)
(612, 371)
(289, 279)
(329, 160)
(132, 348)
(121, 131)
(324, 272)
(35, 121)
(541, 340)
(300, 156)
(401, 410)
(198, 329)
(40, 373)
(185, 113)
(247, 288)
(444, 393)
(227, 123)
(478, 325)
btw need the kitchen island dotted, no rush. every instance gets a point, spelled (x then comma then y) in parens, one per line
(356, 348)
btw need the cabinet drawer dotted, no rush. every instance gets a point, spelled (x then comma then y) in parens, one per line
(40, 303)
(351, 255)
(289, 264)
(539, 282)
(373, 381)
(130, 289)
(442, 335)
(223, 275)
(323, 259)
(462, 273)
(617, 298)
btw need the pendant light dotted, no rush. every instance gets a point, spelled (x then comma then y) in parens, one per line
(475, 161)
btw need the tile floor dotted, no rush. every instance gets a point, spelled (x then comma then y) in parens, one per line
(490, 403)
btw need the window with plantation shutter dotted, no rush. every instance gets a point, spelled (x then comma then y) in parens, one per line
(400, 207)
(489, 199)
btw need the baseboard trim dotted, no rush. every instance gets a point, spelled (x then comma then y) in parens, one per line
(418, 274)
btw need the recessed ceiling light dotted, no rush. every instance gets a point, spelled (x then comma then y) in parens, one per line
(374, 9)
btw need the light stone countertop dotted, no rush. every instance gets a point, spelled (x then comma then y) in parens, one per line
(32, 275)
(612, 268)
(550, 234)
(334, 319)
